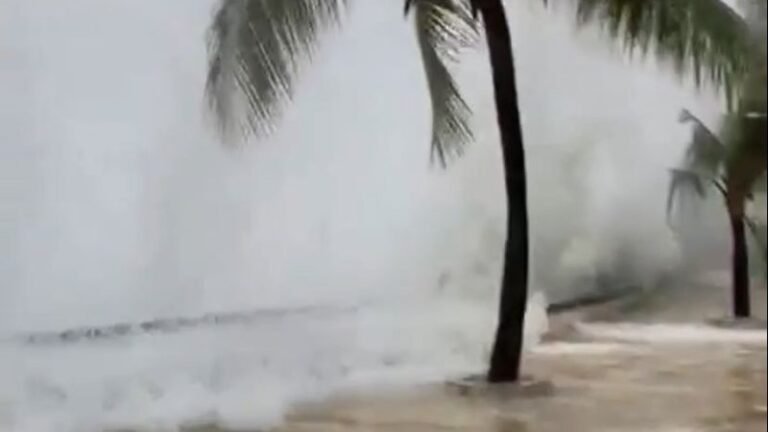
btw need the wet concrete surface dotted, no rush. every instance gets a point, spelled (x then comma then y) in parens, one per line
(701, 386)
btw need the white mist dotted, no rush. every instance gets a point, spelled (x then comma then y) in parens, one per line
(119, 204)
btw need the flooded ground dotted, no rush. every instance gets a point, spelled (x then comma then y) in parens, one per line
(660, 362)
(656, 365)
(695, 379)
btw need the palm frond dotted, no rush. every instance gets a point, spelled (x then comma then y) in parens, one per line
(706, 152)
(734, 162)
(443, 28)
(703, 165)
(685, 182)
(255, 50)
(704, 37)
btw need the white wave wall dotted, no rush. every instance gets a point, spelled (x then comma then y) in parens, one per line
(119, 204)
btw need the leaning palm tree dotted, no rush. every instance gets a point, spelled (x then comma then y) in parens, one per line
(257, 46)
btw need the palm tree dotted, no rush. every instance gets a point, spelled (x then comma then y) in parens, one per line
(508, 343)
(734, 160)
(256, 47)
(734, 164)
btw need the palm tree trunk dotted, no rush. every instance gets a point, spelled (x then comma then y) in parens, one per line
(507, 349)
(740, 261)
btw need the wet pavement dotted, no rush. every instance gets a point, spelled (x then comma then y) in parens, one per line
(658, 366)
(703, 380)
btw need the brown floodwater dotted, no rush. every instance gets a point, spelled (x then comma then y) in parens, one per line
(660, 366)
(699, 379)
(640, 376)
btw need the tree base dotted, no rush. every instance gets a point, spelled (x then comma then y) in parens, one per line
(478, 386)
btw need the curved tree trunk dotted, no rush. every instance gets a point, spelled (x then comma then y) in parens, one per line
(507, 349)
(740, 261)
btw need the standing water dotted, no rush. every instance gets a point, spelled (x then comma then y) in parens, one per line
(214, 285)
(652, 378)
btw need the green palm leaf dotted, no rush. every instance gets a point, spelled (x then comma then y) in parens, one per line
(735, 162)
(443, 28)
(685, 182)
(706, 151)
(256, 48)
(705, 37)
(702, 166)
(255, 51)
